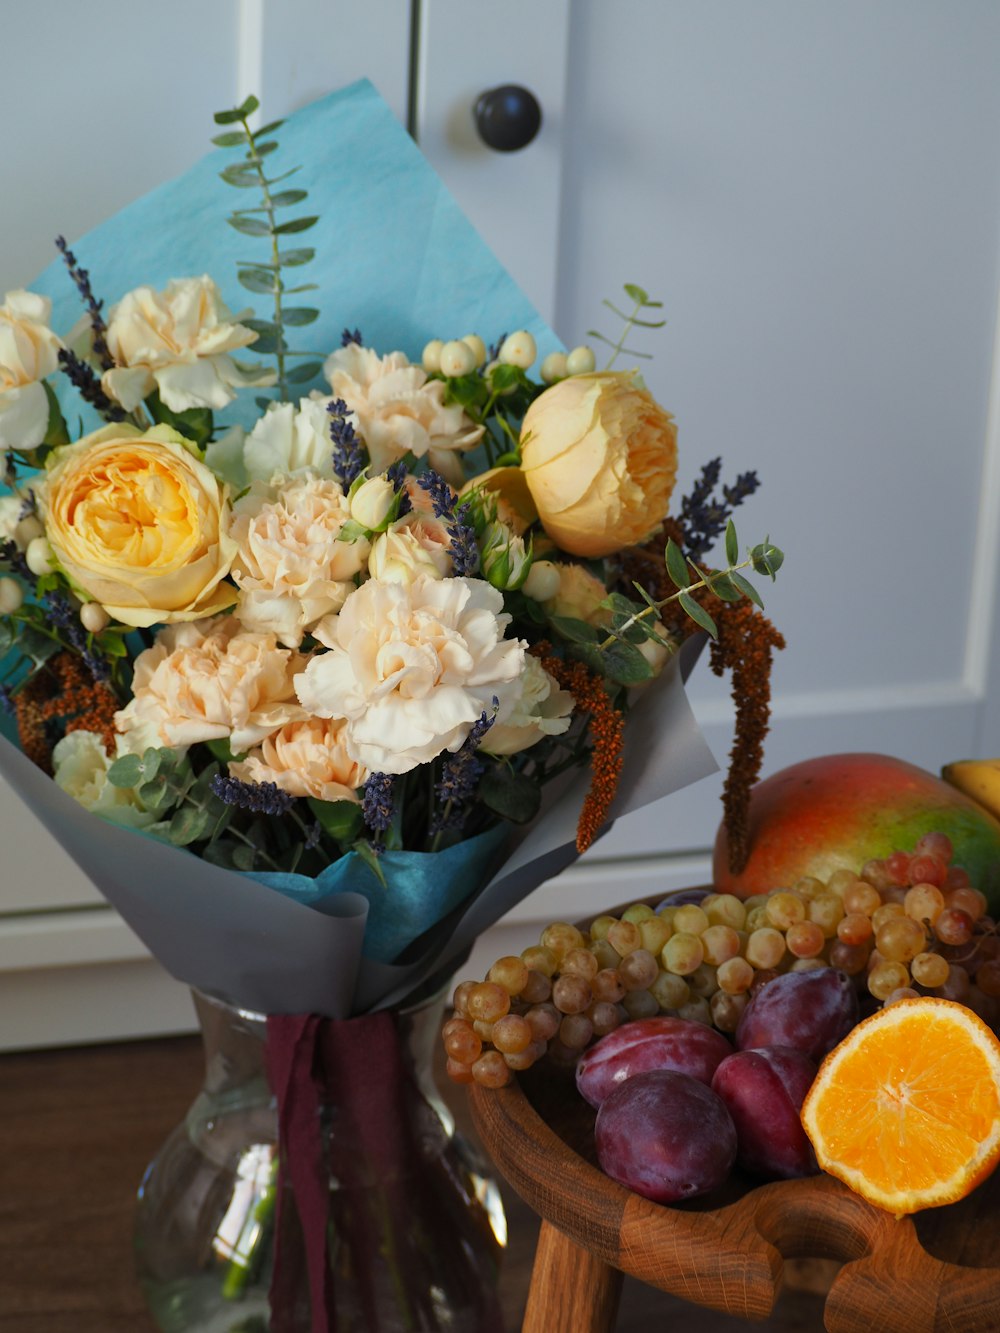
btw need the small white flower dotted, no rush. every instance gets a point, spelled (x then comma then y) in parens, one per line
(518, 349)
(80, 767)
(540, 709)
(371, 502)
(581, 361)
(416, 546)
(288, 439)
(411, 667)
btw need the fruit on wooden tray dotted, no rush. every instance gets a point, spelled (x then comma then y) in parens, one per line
(650, 1043)
(763, 1091)
(809, 1012)
(840, 811)
(666, 1136)
(906, 1110)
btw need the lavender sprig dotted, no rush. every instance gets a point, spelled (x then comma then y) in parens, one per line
(460, 774)
(351, 336)
(88, 384)
(65, 619)
(7, 701)
(260, 798)
(81, 278)
(348, 448)
(13, 558)
(456, 518)
(397, 474)
(377, 802)
(703, 517)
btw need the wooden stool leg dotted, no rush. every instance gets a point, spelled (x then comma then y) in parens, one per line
(572, 1291)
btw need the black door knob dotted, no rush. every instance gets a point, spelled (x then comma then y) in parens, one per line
(507, 117)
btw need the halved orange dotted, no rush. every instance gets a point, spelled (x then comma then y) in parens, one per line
(906, 1110)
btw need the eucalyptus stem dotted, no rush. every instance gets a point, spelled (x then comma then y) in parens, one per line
(257, 162)
(704, 582)
(619, 347)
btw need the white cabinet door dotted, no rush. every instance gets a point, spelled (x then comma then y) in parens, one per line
(107, 106)
(813, 190)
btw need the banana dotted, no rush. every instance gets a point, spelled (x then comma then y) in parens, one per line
(978, 779)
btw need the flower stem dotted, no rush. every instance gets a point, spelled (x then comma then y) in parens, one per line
(704, 582)
(279, 352)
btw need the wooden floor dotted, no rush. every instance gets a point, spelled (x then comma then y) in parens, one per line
(77, 1128)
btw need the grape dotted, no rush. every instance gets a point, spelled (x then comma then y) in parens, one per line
(876, 875)
(900, 939)
(600, 926)
(862, 897)
(805, 939)
(725, 910)
(849, 958)
(953, 926)
(491, 1070)
(512, 1034)
(483, 1029)
(897, 867)
(511, 973)
(458, 1071)
(887, 977)
(924, 902)
(682, 954)
(696, 1010)
(900, 993)
(885, 913)
(809, 1011)
(929, 969)
(762, 977)
(703, 981)
(581, 963)
(652, 1043)
(763, 1090)
(560, 937)
(968, 900)
(935, 844)
(854, 928)
(462, 1043)
(637, 912)
(571, 994)
(988, 977)
(957, 878)
(719, 943)
(461, 997)
(604, 1017)
(765, 947)
(544, 1020)
(525, 1059)
(756, 918)
(665, 1136)
(488, 1001)
(655, 932)
(638, 970)
(540, 959)
(537, 988)
(784, 909)
(808, 886)
(690, 920)
(670, 991)
(826, 910)
(640, 1004)
(957, 986)
(607, 985)
(808, 964)
(575, 1031)
(624, 936)
(734, 976)
(928, 870)
(606, 955)
(727, 1010)
(840, 881)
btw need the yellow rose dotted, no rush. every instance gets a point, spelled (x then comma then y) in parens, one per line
(139, 524)
(600, 456)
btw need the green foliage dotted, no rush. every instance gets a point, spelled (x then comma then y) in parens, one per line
(641, 302)
(195, 424)
(342, 820)
(260, 276)
(510, 794)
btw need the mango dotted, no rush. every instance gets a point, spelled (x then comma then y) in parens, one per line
(839, 811)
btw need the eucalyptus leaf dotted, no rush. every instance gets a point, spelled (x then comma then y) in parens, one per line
(676, 564)
(244, 857)
(285, 198)
(293, 258)
(732, 544)
(227, 117)
(241, 175)
(301, 374)
(248, 106)
(196, 423)
(576, 631)
(636, 293)
(302, 287)
(249, 226)
(37, 647)
(365, 852)
(157, 795)
(231, 139)
(625, 664)
(295, 224)
(263, 149)
(132, 770)
(298, 315)
(342, 820)
(257, 280)
(746, 588)
(269, 128)
(698, 614)
(510, 794)
(722, 585)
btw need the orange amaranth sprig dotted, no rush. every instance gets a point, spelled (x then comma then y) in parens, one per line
(607, 732)
(62, 698)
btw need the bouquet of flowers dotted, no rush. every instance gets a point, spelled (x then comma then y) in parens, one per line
(373, 655)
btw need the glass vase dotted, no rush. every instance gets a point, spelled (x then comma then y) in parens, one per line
(413, 1228)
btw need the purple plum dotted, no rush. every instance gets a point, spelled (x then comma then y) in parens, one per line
(810, 1011)
(650, 1043)
(665, 1135)
(763, 1091)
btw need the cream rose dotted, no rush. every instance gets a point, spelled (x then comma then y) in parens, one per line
(290, 568)
(139, 524)
(411, 667)
(80, 766)
(210, 680)
(398, 410)
(600, 457)
(287, 439)
(540, 709)
(307, 758)
(178, 342)
(15, 528)
(29, 351)
(416, 546)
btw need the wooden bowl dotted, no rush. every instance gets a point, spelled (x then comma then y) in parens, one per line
(935, 1272)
